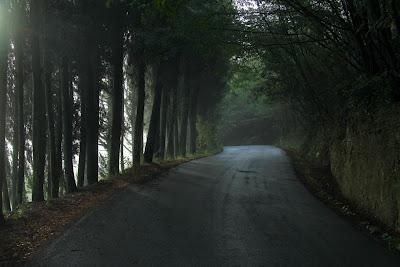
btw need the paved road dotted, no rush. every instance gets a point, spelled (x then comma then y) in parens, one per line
(243, 207)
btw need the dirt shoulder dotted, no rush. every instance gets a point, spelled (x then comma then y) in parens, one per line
(320, 182)
(34, 224)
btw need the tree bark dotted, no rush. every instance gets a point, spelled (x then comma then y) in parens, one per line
(193, 120)
(67, 126)
(133, 119)
(53, 175)
(92, 149)
(185, 114)
(169, 142)
(138, 141)
(172, 120)
(6, 195)
(92, 158)
(122, 149)
(39, 120)
(15, 152)
(117, 96)
(122, 162)
(173, 125)
(19, 186)
(58, 177)
(163, 123)
(3, 101)
(83, 87)
(154, 121)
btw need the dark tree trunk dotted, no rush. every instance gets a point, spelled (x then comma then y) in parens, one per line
(184, 124)
(173, 124)
(6, 195)
(39, 119)
(3, 102)
(55, 186)
(92, 159)
(184, 93)
(172, 109)
(53, 175)
(193, 120)
(175, 117)
(19, 186)
(133, 120)
(173, 139)
(154, 121)
(67, 126)
(122, 140)
(117, 97)
(169, 140)
(15, 152)
(157, 140)
(122, 149)
(163, 123)
(84, 68)
(133, 102)
(138, 140)
(82, 155)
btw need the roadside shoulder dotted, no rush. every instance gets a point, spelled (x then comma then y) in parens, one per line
(320, 182)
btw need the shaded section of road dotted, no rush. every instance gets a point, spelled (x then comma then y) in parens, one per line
(243, 207)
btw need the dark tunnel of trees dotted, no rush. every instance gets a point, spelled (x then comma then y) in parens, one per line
(90, 87)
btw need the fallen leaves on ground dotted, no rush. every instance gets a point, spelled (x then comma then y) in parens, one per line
(33, 223)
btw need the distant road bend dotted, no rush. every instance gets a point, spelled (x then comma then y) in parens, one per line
(243, 207)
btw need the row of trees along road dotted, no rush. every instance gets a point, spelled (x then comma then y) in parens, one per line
(76, 75)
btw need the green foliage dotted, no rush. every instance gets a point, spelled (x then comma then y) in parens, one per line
(243, 100)
(209, 137)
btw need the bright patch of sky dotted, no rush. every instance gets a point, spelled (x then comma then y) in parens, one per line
(243, 5)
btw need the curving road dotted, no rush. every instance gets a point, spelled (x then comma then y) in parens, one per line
(243, 207)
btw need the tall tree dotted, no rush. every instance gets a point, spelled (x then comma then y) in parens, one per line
(184, 90)
(89, 71)
(19, 20)
(163, 122)
(172, 142)
(84, 68)
(6, 195)
(52, 164)
(117, 46)
(66, 91)
(3, 99)
(53, 175)
(138, 140)
(15, 146)
(93, 122)
(193, 119)
(154, 120)
(92, 132)
(58, 133)
(39, 120)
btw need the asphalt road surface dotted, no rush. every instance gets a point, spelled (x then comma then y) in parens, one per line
(243, 207)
